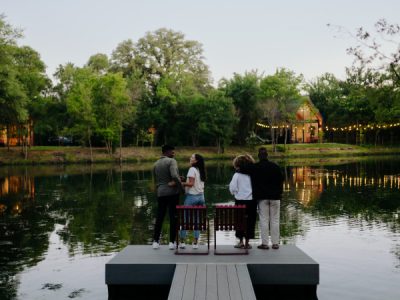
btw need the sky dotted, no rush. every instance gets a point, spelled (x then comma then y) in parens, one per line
(236, 35)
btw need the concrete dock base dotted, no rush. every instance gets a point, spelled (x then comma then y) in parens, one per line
(286, 272)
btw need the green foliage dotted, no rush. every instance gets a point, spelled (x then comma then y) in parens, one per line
(98, 63)
(80, 105)
(244, 91)
(254, 140)
(111, 106)
(22, 79)
(218, 119)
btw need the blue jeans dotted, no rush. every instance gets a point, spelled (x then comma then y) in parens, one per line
(193, 200)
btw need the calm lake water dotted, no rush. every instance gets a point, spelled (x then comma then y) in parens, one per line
(60, 225)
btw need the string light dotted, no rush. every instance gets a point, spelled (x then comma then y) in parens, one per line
(345, 128)
(363, 127)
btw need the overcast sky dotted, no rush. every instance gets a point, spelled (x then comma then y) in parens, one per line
(237, 36)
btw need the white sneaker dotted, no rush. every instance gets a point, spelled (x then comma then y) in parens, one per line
(156, 245)
(182, 245)
(195, 246)
(172, 246)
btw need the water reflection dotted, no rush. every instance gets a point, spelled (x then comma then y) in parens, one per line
(100, 210)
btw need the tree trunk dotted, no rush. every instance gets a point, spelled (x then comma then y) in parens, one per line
(25, 146)
(219, 145)
(120, 145)
(8, 137)
(376, 137)
(90, 145)
(272, 138)
(284, 145)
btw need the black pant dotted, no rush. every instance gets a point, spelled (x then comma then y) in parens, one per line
(251, 212)
(165, 202)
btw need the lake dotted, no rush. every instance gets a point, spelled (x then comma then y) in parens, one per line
(59, 225)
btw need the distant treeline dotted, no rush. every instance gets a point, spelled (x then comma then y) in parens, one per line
(159, 90)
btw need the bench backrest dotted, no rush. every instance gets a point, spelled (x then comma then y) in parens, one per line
(230, 217)
(191, 217)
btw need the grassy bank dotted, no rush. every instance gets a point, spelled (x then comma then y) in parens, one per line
(72, 155)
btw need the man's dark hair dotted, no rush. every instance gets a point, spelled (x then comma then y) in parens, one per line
(166, 148)
(262, 153)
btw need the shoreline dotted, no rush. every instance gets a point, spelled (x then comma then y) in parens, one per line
(54, 155)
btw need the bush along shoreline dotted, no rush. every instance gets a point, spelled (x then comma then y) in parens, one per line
(78, 155)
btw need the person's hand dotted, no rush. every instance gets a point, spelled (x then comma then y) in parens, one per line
(172, 183)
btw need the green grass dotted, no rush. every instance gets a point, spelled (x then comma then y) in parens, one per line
(71, 155)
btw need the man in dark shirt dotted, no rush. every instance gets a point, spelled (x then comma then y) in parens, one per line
(267, 184)
(166, 171)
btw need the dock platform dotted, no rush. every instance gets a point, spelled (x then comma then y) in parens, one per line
(138, 269)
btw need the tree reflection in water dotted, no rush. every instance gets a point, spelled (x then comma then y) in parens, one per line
(103, 209)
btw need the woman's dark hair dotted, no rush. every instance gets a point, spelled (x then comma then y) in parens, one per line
(200, 166)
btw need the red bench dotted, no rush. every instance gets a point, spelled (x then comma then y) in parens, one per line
(228, 218)
(192, 218)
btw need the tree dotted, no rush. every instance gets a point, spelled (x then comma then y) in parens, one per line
(244, 91)
(31, 74)
(217, 119)
(378, 50)
(112, 107)
(80, 106)
(161, 68)
(98, 63)
(22, 79)
(122, 58)
(13, 100)
(165, 53)
(280, 93)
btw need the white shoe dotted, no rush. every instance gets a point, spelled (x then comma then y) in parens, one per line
(182, 245)
(156, 245)
(172, 246)
(195, 246)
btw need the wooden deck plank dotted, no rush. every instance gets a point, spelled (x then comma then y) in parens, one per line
(201, 283)
(190, 282)
(211, 282)
(212, 289)
(222, 283)
(233, 283)
(178, 282)
(246, 286)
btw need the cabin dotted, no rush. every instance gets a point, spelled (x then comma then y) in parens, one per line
(308, 123)
(14, 136)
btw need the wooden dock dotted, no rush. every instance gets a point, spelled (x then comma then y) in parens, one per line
(161, 274)
(211, 282)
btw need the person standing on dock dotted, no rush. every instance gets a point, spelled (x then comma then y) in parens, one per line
(165, 171)
(194, 190)
(267, 183)
(240, 188)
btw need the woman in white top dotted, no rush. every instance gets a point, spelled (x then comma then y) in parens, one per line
(240, 188)
(194, 190)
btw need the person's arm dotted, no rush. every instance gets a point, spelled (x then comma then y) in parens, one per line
(189, 183)
(248, 170)
(190, 178)
(173, 170)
